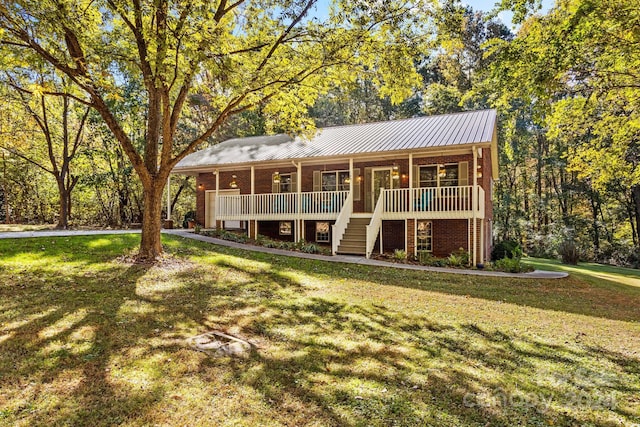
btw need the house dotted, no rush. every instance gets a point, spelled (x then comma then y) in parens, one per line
(421, 185)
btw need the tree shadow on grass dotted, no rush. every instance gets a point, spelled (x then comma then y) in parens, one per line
(56, 360)
(570, 295)
(320, 361)
(357, 365)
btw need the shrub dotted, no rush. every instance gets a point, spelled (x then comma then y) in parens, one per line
(424, 258)
(506, 249)
(197, 229)
(569, 252)
(400, 255)
(310, 248)
(510, 265)
(461, 255)
(454, 260)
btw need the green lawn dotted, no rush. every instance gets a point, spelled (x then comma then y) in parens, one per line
(87, 338)
(597, 274)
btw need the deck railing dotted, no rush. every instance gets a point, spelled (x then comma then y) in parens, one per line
(315, 204)
(374, 225)
(432, 201)
(338, 229)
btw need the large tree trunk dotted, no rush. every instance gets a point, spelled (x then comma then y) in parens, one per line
(63, 212)
(635, 190)
(151, 244)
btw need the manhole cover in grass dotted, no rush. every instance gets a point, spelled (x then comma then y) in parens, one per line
(216, 343)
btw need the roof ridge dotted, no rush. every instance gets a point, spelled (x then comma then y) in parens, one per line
(409, 118)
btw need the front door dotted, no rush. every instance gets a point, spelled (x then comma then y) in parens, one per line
(380, 178)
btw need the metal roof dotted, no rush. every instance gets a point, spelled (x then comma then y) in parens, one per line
(409, 134)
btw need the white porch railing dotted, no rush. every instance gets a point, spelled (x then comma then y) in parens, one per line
(274, 206)
(432, 202)
(374, 225)
(340, 226)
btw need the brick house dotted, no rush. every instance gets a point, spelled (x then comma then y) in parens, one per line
(422, 185)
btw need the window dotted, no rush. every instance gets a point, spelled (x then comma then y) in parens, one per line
(285, 228)
(424, 236)
(335, 181)
(286, 183)
(429, 176)
(322, 232)
(439, 175)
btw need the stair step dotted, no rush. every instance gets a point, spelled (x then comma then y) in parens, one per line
(359, 221)
(349, 251)
(357, 243)
(352, 246)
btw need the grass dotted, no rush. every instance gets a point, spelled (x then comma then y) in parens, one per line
(596, 274)
(87, 338)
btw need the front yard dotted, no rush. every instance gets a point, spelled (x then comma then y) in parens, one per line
(87, 338)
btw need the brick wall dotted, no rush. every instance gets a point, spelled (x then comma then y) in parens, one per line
(449, 235)
(271, 229)
(392, 235)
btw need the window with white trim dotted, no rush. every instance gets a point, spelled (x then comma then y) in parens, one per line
(335, 181)
(322, 232)
(286, 183)
(439, 175)
(285, 228)
(424, 236)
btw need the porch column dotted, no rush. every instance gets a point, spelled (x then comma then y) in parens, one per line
(482, 245)
(169, 198)
(474, 206)
(251, 205)
(410, 182)
(351, 178)
(217, 223)
(298, 227)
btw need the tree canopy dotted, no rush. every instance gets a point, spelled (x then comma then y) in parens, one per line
(222, 57)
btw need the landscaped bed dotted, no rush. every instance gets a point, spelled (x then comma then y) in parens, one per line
(87, 338)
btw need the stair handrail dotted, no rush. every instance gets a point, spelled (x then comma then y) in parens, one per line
(375, 224)
(340, 226)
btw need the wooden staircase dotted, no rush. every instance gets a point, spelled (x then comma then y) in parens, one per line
(354, 241)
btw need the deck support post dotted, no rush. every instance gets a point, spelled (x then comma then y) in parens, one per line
(474, 206)
(297, 232)
(218, 224)
(251, 204)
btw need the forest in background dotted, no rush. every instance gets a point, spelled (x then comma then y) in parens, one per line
(566, 86)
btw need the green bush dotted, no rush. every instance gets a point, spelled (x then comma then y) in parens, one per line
(506, 249)
(454, 260)
(510, 265)
(569, 252)
(400, 255)
(310, 248)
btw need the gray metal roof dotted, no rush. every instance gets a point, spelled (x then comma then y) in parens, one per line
(408, 134)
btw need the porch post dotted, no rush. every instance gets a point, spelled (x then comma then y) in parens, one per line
(298, 229)
(169, 198)
(251, 204)
(482, 245)
(410, 182)
(351, 178)
(474, 206)
(215, 212)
